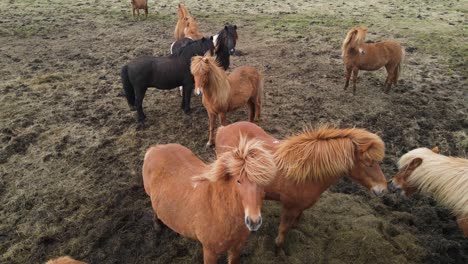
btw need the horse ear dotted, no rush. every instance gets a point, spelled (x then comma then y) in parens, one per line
(235, 27)
(414, 164)
(435, 149)
(364, 147)
(226, 27)
(211, 38)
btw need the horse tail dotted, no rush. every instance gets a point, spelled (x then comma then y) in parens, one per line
(400, 65)
(127, 86)
(260, 85)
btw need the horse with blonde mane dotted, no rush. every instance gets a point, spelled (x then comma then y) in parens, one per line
(310, 162)
(224, 93)
(217, 204)
(358, 55)
(182, 13)
(64, 260)
(445, 177)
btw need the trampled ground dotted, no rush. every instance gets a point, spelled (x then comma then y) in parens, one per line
(71, 153)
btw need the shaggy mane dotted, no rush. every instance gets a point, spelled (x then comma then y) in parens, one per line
(355, 38)
(250, 158)
(217, 85)
(445, 177)
(326, 152)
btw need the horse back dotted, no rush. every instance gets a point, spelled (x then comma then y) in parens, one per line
(160, 72)
(245, 79)
(382, 52)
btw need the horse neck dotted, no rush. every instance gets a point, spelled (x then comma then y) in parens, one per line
(222, 57)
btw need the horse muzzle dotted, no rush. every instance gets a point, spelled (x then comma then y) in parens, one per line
(232, 51)
(379, 190)
(198, 91)
(253, 225)
(396, 188)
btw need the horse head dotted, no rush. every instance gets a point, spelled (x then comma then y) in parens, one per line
(367, 170)
(228, 36)
(246, 169)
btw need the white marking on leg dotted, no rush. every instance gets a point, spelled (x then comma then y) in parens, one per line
(172, 45)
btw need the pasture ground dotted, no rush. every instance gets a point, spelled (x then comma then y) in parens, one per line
(71, 153)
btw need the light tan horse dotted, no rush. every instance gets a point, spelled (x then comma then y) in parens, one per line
(191, 29)
(64, 260)
(182, 13)
(139, 4)
(358, 55)
(217, 204)
(224, 93)
(445, 177)
(310, 162)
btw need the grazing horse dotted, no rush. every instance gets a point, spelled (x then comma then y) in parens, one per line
(216, 204)
(224, 93)
(64, 260)
(164, 73)
(310, 162)
(140, 4)
(445, 177)
(358, 55)
(182, 13)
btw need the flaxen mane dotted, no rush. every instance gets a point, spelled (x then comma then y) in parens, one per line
(250, 157)
(324, 152)
(355, 38)
(445, 177)
(217, 84)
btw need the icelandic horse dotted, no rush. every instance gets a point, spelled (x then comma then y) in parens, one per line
(217, 204)
(223, 93)
(358, 55)
(182, 13)
(310, 162)
(139, 4)
(426, 171)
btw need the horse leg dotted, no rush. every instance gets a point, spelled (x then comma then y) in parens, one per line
(348, 76)
(139, 95)
(146, 12)
(133, 11)
(390, 79)
(222, 119)
(251, 108)
(209, 257)
(234, 254)
(138, 13)
(212, 123)
(355, 75)
(288, 218)
(258, 108)
(187, 94)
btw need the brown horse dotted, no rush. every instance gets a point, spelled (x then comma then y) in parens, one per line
(445, 177)
(191, 29)
(182, 13)
(224, 93)
(64, 260)
(220, 205)
(140, 4)
(358, 55)
(309, 162)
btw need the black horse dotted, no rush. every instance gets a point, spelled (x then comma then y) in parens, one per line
(163, 73)
(224, 42)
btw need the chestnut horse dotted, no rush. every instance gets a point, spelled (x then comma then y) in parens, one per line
(224, 93)
(220, 204)
(191, 29)
(64, 260)
(445, 177)
(309, 162)
(140, 4)
(182, 13)
(358, 55)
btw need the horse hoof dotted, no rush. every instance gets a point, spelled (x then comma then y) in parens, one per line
(187, 111)
(209, 145)
(132, 108)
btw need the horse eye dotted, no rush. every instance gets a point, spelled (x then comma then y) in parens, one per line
(238, 181)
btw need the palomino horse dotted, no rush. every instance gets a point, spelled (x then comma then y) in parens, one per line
(140, 4)
(358, 55)
(64, 260)
(164, 73)
(445, 177)
(224, 93)
(309, 162)
(182, 13)
(220, 204)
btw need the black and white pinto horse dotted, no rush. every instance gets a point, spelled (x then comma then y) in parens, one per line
(163, 73)
(225, 45)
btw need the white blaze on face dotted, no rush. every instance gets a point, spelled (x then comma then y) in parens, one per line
(198, 91)
(215, 39)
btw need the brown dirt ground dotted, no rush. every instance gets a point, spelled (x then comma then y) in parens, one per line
(71, 153)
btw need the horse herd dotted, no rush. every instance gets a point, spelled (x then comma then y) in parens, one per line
(219, 204)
